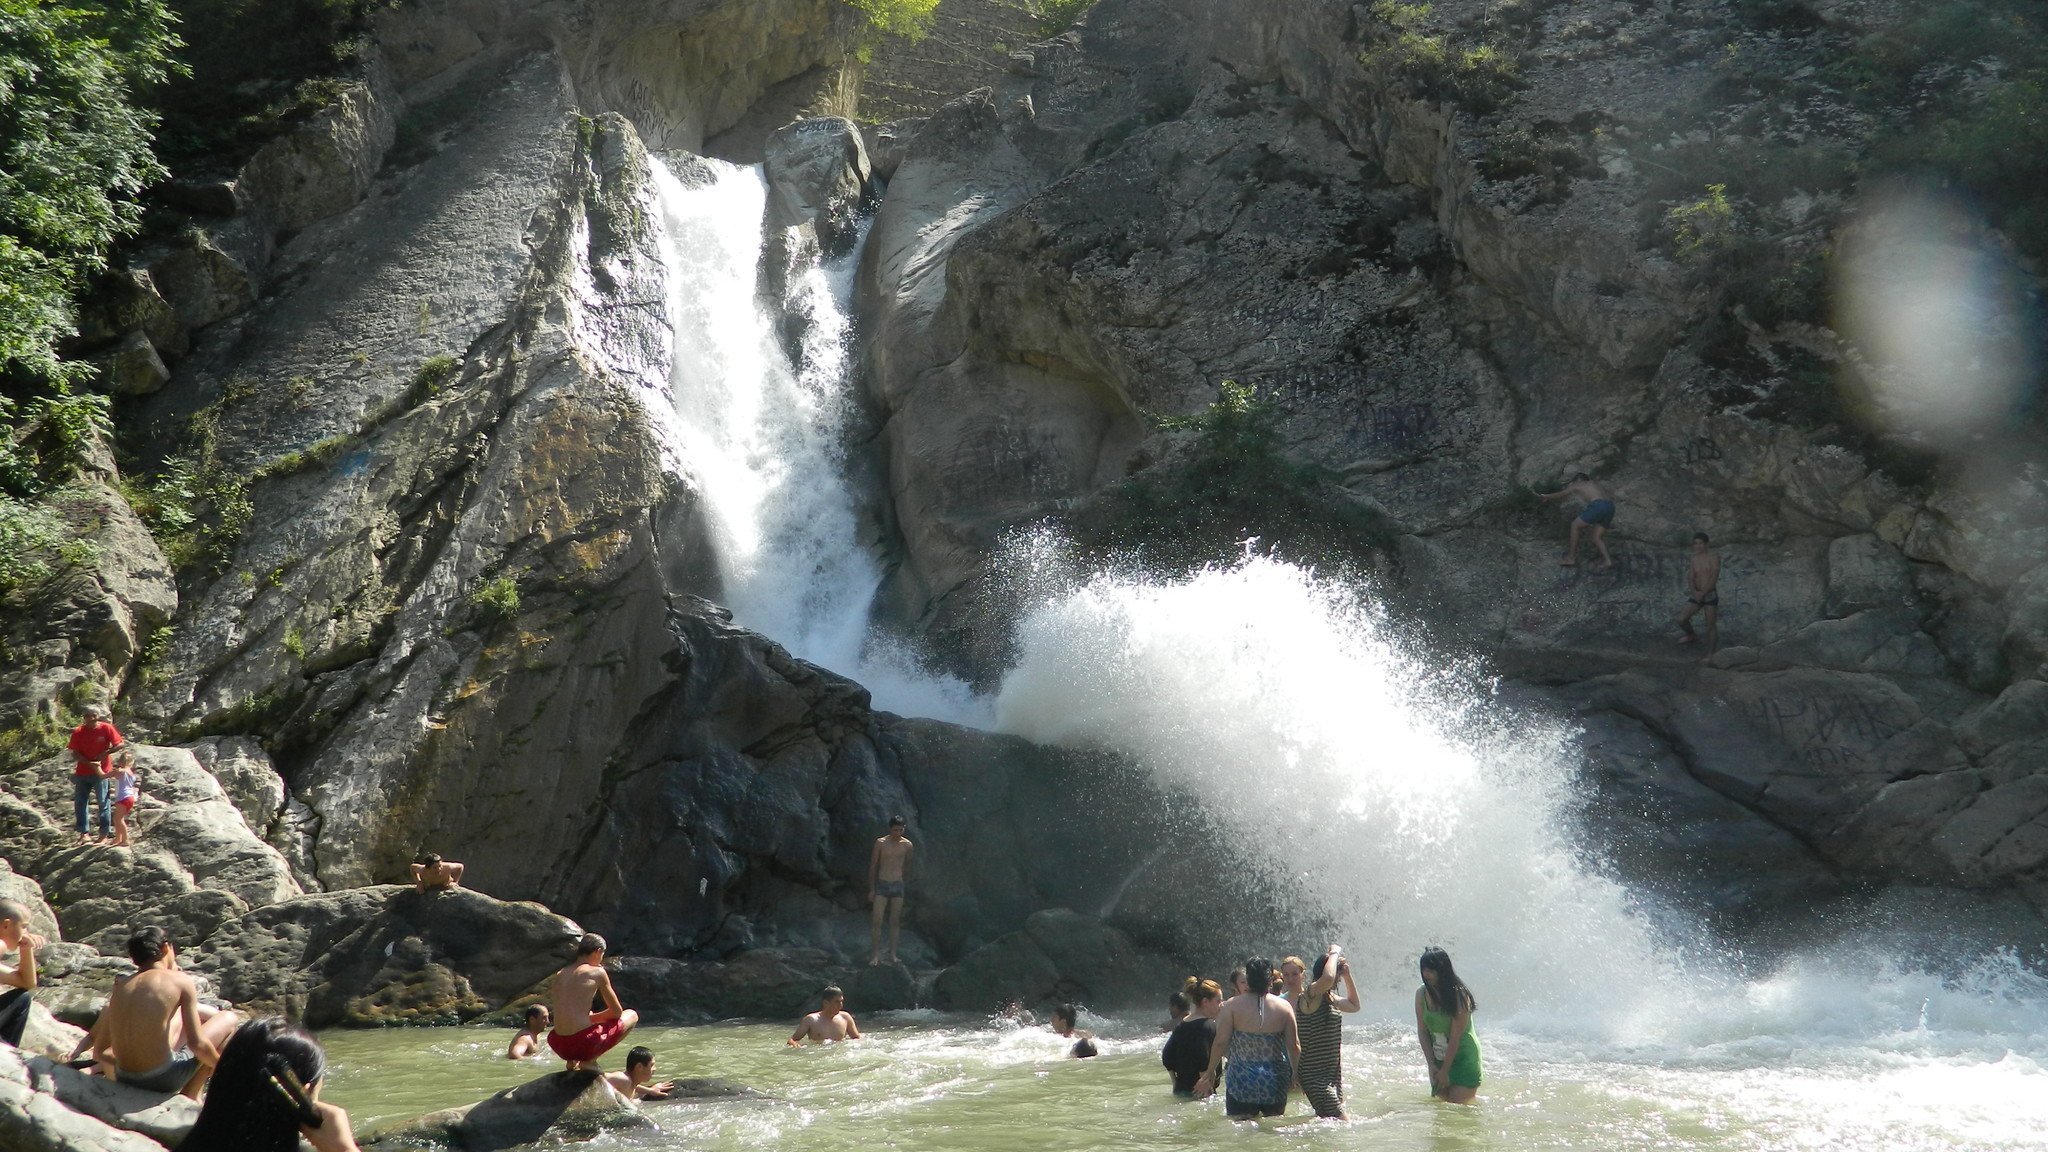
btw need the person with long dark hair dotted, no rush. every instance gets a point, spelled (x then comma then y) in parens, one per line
(1443, 1022)
(1322, 1032)
(248, 1105)
(1256, 1030)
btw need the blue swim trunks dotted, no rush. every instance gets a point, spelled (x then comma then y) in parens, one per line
(884, 889)
(1598, 512)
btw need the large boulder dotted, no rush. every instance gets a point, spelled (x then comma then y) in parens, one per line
(386, 955)
(35, 1121)
(29, 894)
(194, 864)
(1060, 955)
(163, 1117)
(566, 1106)
(761, 984)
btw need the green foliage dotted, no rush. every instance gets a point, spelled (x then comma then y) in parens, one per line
(29, 535)
(910, 19)
(1703, 225)
(295, 642)
(74, 152)
(497, 600)
(1056, 16)
(1436, 65)
(194, 506)
(1233, 481)
(38, 737)
(156, 649)
(431, 378)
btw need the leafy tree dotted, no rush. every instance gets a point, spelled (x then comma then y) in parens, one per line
(74, 152)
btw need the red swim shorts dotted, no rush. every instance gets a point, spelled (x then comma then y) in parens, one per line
(589, 1044)
(127, 805)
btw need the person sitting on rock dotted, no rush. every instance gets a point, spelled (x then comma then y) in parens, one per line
(127, 789)
(140, 1017)
(530, 1038)
(20, 980)
(885, 889)
(637, 1081)
(429, 871)
(581, 1035)
(829, 1023)
(1064, 1019)
(254, 1105)
(1702, 592)
(92, 746)
(1597, 514)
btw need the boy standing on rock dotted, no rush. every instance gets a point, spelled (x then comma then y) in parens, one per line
(19, 980)
(92, 747)
(1702, 591)
(580, 1035)
(885, 889)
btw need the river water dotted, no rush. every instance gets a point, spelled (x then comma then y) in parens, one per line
(922, 1083)
(1388, 795)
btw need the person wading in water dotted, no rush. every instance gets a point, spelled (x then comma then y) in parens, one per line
(1257, 1032)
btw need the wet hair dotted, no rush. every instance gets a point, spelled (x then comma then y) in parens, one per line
(639, 1056)
(1084, 1048)
(1580, 478)
(427, 859)
(1701, 537)
(1178, 1002)
(1200, 991)
(534, 1012)
(1449, 989)
(14, 910)
(1258, 975)
(591, 942)
(244, 1112)
(147, 946)
(1322, 965)
(832, 992)
(897, 821)
(1066, 1012)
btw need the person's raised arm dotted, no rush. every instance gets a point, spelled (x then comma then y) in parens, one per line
(188, 1007)
(612, 1008)
(454, 873)
(655, 1091)
(23, 974)
(419, 877)
(1350, 1001)
(333, 1134)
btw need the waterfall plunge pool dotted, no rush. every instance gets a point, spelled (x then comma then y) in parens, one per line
(920, 1081)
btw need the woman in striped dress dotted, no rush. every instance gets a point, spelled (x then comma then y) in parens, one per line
(1322, 1033)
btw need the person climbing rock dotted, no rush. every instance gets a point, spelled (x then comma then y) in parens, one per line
(430, 872)
(1597, 514)
(92, 748)
(1702, 593)
(885, 889)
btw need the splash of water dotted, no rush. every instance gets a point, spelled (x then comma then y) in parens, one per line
(761, 436)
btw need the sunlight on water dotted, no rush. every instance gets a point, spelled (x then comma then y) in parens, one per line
(962, 1085)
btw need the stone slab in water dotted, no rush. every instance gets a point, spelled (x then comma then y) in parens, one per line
(563, 1104)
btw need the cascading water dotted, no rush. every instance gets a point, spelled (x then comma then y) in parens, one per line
(761, 438)
(1389, 797)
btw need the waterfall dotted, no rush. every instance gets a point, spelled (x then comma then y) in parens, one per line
(761, 437)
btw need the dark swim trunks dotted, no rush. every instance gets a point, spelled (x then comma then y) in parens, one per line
(885, 889)
(1708, 601)
(1598, 512)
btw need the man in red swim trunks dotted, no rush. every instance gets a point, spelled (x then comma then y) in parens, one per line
(92, 750)
(580, 1035)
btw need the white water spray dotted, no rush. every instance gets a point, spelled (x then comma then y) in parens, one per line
(761, 438)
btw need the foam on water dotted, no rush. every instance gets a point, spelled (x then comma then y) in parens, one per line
(760, 436)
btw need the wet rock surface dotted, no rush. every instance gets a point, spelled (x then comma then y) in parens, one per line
(562, 1106)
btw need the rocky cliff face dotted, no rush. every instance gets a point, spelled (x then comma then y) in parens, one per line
(1174, 195)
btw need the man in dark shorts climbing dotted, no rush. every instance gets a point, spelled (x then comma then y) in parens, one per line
(1597, 514)
(1702, 593)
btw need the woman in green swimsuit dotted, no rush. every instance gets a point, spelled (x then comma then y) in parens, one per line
(1443, 1021)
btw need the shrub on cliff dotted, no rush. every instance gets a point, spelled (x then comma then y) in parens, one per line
(74, 152)
(907, 18)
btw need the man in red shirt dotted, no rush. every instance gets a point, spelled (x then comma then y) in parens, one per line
(93, 744)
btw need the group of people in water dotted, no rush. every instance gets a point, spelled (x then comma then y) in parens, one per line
(1281, 1029)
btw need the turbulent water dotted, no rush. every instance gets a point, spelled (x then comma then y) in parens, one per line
(761, 435)
(1387, 795)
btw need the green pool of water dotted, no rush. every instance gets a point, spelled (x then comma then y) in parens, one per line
(923, 1082)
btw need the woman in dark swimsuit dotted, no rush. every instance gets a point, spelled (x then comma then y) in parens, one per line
(1322, 1034)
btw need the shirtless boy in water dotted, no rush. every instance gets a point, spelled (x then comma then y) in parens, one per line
(1702, 591)
(580, 1035)
(144, 1012)
(532, 1036)
(830, 1022)
(885, 889)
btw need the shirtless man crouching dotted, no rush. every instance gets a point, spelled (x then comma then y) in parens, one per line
(580, 1035)
(885, 889)
(147, 1011)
